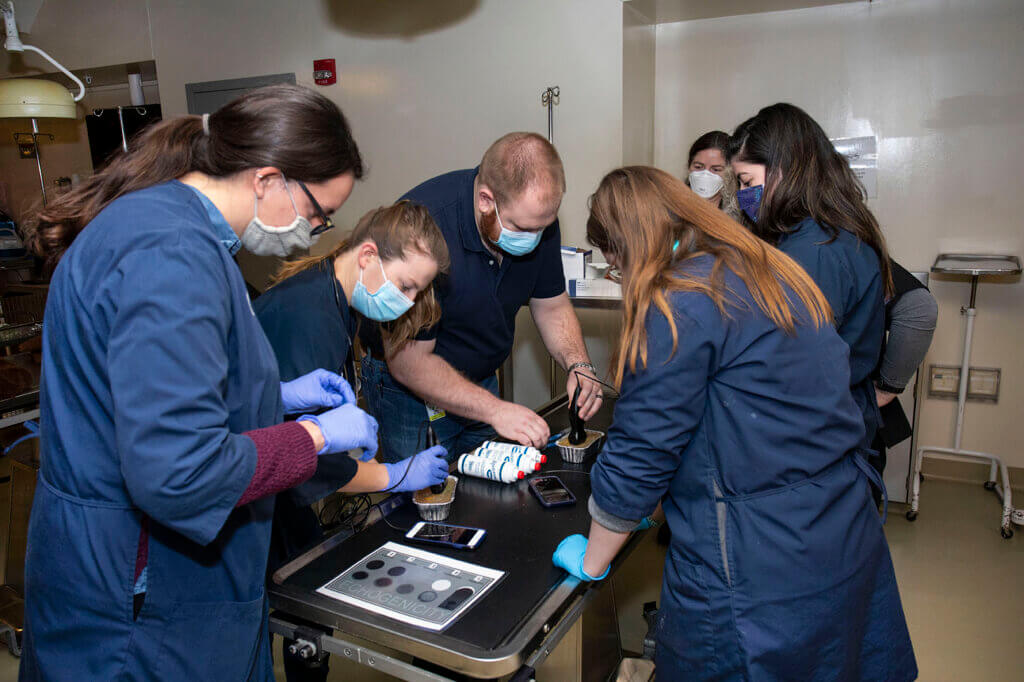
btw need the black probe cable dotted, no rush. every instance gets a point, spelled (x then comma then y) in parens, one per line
(425, 423)
(614, 390)
(361, 502)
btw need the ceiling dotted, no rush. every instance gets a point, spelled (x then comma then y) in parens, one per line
(668, 11)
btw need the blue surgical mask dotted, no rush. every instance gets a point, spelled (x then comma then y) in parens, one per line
(516, 243)
(749, 199)
(386, 304)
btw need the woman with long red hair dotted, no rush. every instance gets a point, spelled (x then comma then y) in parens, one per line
(735, 413)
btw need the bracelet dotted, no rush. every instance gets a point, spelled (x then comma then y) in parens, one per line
(585, 365)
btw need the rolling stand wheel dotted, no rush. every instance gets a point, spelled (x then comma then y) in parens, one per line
(990, 485)
(1006, 532)
(911, 516)
(12, 639)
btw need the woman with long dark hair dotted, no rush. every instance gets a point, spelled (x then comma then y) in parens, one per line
(727, 360)
(163, 441)
(802, 197)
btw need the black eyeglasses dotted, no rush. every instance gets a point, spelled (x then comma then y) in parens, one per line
(327, 223)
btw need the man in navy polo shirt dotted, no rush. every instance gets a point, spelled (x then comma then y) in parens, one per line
(500, 223)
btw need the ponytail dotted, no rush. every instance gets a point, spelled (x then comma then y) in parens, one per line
(295, 129)
(164, 151)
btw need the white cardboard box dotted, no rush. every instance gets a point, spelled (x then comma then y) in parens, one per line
(574, 262)
(594, 288)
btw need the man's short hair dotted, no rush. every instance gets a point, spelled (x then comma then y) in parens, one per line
(519, 160)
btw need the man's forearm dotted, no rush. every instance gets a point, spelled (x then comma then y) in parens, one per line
(560, 330)
(435, 381)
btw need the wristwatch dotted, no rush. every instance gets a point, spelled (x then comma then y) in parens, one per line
(585, 365)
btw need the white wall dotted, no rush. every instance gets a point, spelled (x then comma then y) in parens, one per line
(939, 82)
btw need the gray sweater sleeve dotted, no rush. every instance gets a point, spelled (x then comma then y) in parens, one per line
(912, 324)
(610, 521)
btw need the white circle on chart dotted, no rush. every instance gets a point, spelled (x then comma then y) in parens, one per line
(440, 585)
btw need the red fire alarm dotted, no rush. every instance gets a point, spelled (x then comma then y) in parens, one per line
(324, 72)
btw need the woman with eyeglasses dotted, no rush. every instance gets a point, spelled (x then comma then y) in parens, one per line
(163, 433)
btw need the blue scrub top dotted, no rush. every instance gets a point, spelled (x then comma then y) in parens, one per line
(154, 365)
(481, 297)
(847, 272)
(747, 435)
(310, 326)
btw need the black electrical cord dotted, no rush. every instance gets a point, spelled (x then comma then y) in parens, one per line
(557, 471)
(352, 510)
(346, 511)
(400, 530)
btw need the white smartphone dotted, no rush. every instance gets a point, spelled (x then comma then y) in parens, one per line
(460, 537)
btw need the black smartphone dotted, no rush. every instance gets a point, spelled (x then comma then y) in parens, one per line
(551, 491)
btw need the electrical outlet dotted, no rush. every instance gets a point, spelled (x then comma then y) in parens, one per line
(943, 381)
(982, 383)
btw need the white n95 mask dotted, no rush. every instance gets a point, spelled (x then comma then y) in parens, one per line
(263, 240)
(706, 184)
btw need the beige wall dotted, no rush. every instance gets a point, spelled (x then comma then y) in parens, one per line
(83, 34)
(426, 86)
(638, 50)
(79, 34)
(940, 84)
(65, 155)
(426, 96)
(424, 103)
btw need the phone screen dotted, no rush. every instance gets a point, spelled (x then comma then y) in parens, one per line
(442, 533)
(551, 489)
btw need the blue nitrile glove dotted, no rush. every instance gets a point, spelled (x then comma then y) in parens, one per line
(569, 555)
(424, 469)
(646, 523)
(316, 390)
(346, 428)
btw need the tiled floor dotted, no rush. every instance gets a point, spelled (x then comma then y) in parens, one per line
(961, 585)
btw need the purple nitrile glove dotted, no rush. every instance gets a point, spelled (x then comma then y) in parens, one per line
(420, 471)
(316, 390)
(346, 428)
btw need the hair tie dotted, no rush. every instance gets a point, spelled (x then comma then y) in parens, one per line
(206, 125)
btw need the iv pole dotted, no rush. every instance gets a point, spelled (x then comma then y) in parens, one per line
(549, 98)
(13, 43)
(141, 111)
